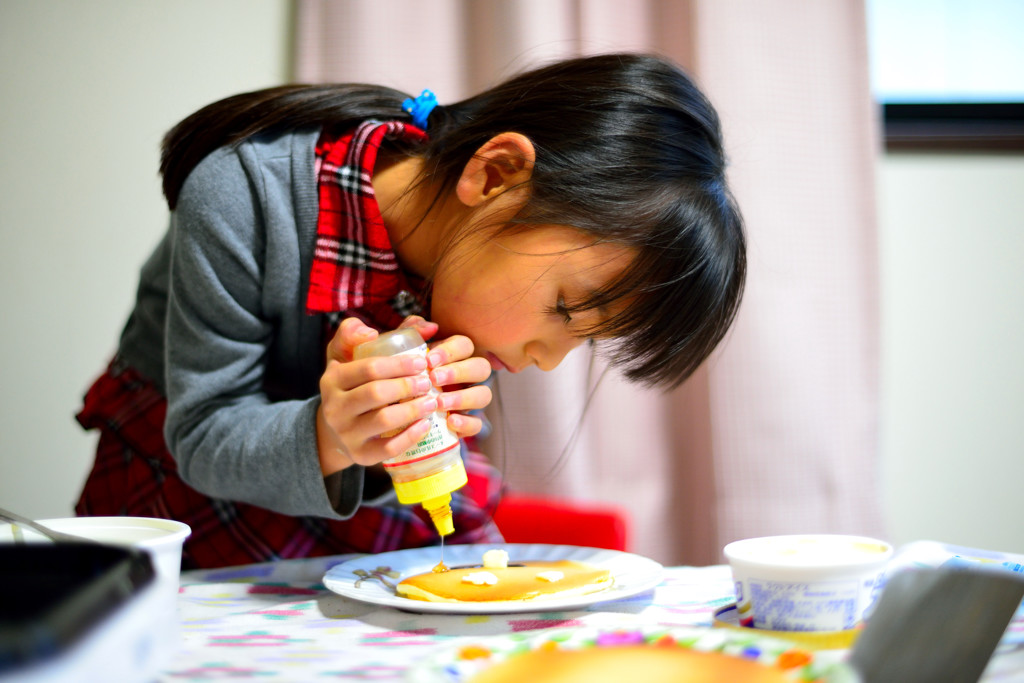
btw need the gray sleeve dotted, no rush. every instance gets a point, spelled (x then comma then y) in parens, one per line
(229, 440)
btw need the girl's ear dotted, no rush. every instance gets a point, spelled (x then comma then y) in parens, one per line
(502, 163)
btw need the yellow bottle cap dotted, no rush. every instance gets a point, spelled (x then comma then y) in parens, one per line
(434, 486)
(440, 510)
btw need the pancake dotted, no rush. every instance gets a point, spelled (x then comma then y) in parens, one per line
(646, 652)
(628, 663)
(518, 582)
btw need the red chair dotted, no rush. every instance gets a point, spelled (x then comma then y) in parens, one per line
(532, 519)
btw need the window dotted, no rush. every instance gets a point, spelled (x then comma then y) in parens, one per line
(949, 74)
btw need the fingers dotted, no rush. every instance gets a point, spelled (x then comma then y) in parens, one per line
(350, 333)
(476, 397)
(383, 379)
(376, 450)
(451, 359)
(366, 437)
(464, 425)
(351, 389)
(452, 362)
(473, 398)
(373, 409)
(426, 328)
(389, 422)
(400, 443)
(456, 347)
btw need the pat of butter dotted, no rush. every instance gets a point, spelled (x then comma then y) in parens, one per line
(551, 576)
(480, 579)
(495, 559)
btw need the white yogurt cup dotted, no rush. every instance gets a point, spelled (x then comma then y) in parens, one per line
(813, 582)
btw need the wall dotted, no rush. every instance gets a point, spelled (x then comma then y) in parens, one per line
(87, 91)
(952, 267)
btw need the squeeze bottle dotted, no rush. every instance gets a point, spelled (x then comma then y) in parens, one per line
(428, 472)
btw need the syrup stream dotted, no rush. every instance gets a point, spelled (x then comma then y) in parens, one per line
(441, 568)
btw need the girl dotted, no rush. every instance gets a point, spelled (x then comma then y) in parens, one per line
(584, 200)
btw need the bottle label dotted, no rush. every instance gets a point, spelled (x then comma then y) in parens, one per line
(437, 440)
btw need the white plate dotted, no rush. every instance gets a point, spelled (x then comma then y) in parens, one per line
(452, 664)
(364, 578)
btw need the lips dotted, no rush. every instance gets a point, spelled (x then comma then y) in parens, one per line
(495, 362)
(498, 364)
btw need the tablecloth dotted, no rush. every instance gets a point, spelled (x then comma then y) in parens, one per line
(277, 622)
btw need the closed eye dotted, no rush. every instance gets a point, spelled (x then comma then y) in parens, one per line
(562, 310)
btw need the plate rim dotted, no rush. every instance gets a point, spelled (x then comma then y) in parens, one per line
(654, 574)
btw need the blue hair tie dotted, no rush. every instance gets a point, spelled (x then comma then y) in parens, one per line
(420, 108)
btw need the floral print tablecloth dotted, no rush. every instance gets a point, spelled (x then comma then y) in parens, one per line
(277, 622)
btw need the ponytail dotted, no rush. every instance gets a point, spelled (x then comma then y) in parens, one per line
(285, 107)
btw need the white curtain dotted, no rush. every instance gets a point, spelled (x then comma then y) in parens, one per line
(778, 431)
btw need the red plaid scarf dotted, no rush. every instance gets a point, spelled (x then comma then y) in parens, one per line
(355, 273)
(354, 264)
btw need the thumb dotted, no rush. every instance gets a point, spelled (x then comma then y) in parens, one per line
(351, 333)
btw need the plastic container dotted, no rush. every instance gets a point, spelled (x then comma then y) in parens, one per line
(429, 471)
(811, 582)
(728, 617)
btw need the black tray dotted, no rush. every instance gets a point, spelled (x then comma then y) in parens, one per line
(53, 594)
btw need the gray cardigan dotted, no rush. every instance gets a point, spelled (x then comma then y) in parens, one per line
(220, 325)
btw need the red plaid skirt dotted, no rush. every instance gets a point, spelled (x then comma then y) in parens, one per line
(135, 475)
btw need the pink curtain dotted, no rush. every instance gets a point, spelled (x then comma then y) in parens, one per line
(778, 431)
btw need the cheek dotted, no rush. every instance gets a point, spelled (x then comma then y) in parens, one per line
(482, 321)
(490, 321)
(485, 299)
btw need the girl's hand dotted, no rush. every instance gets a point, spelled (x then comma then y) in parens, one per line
(452, 363)
(361, 400)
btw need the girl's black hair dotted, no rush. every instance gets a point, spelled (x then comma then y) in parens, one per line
(628, 150)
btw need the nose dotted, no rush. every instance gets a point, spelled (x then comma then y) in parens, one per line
(548, 353)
